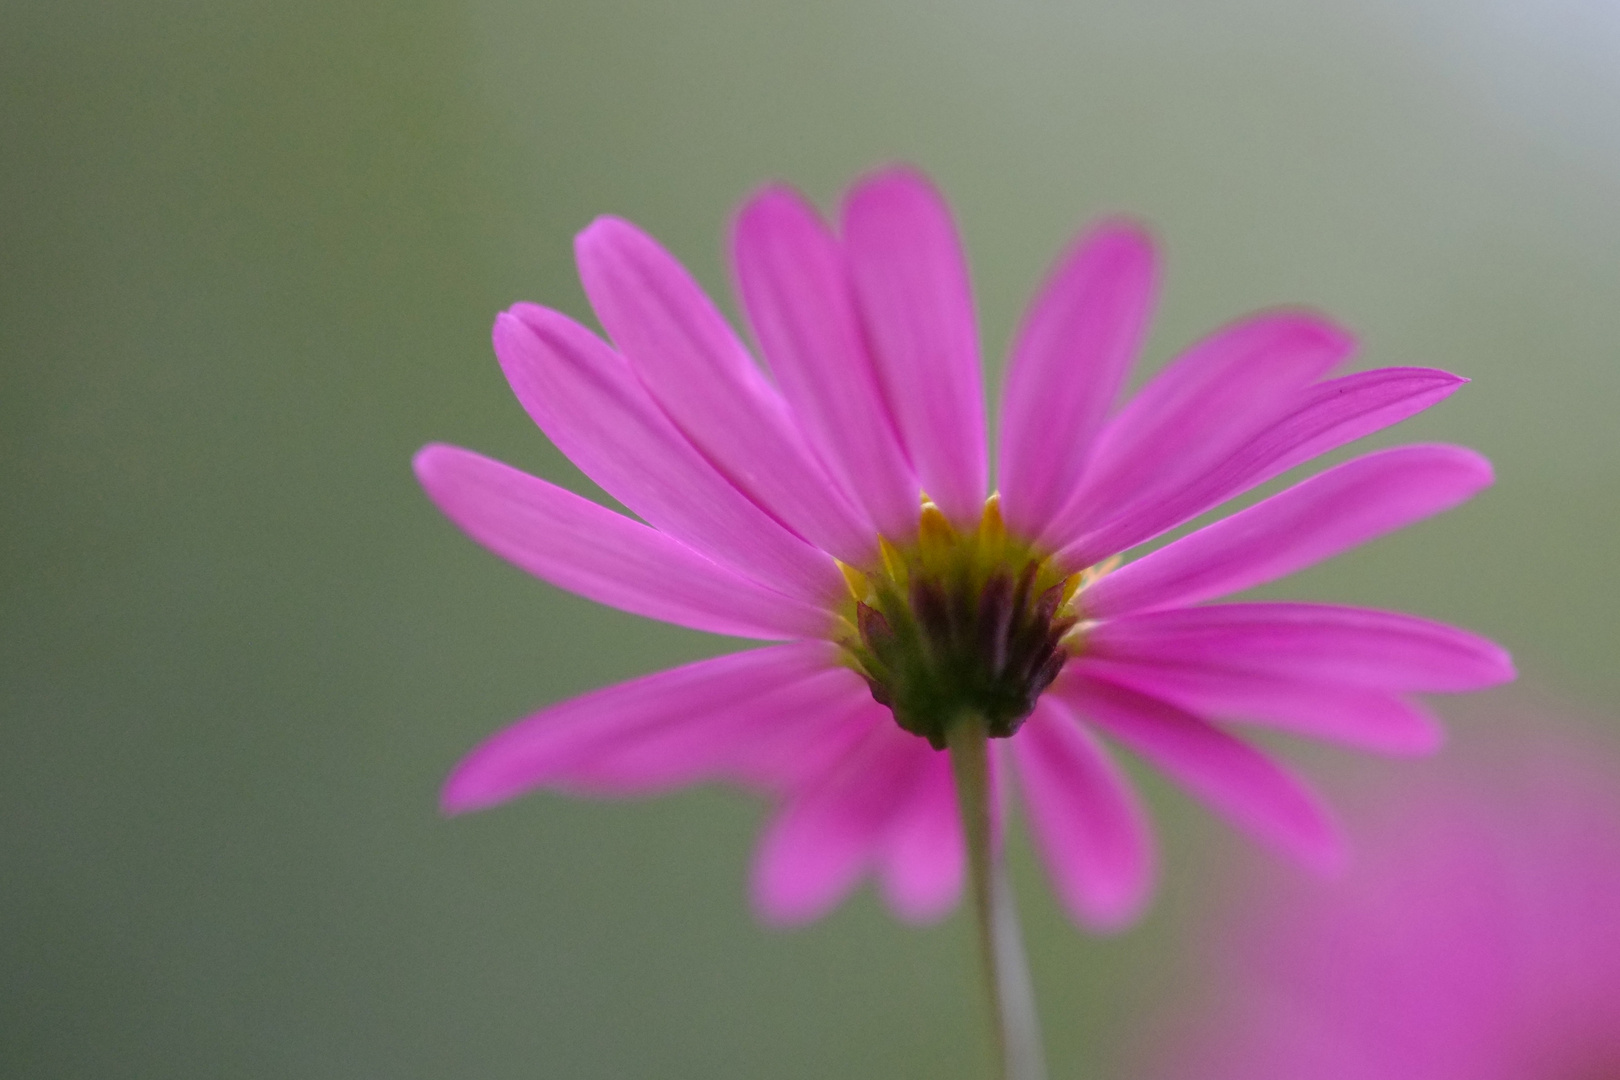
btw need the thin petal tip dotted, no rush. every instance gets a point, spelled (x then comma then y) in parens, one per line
(1473, 459)
(1450, 378)
(476, 783)
(1461, 463)
(611, 247)
(781, 912)
(1113, 903)
(892, 188)
(895, 172)
(916, 913)
(1420, 742)
(1302, 326)
(604, 228)
(457, 798)
(525, 312)
(449, 808)
(1117, 913)
(1125, 232)
(517, 326)
(1333, 333)
(427, 462)
(771, 198)
(774, 214)
(442, 472)
(1110, 923)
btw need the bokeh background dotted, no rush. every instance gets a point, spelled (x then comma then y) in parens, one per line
(249, 254)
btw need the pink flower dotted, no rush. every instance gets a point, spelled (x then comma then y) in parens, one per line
(790, 507)
(1477, 939)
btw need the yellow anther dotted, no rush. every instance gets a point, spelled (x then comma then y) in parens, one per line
(992, 532)
(934, 532)
(959, 617)
(859, 587)
(1071, 586)
(894, 563)
(844, 630)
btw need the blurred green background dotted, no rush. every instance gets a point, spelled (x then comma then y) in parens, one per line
(249, 259)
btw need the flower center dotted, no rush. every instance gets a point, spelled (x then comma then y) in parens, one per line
(959, 624)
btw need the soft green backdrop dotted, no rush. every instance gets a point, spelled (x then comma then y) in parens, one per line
(249, 258)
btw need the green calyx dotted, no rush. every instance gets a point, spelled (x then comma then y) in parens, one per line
(959, 624)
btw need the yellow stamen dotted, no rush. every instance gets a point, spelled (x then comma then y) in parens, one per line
(894, 563)
(859, 585)
(1071, 586)
(936, 539)
(957, 619)
(992, 533)
(844, 629)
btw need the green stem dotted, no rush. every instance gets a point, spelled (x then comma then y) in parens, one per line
(1012, 997)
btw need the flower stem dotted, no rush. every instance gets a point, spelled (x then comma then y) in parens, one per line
(1006, 970)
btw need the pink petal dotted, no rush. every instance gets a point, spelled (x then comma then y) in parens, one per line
(698, 371)
(793, 281)
(777, 757)
(585, 397)
(1345, 646)
(1366, 719)
(923, 859)
(1198, 411)
(1086, 820)
(585, 548)
(1232, 777)
(820, 843)
(1319, 418)
(557, 744)
(817, 717)
(1314, 520)
(911, 283)
(1071, 356)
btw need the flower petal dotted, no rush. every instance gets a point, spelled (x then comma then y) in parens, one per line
(1352, 716)
(1311, 521)
(699, 372)
(559, 745)
(828, 834)
(1197, 411)
(1089, 826)
(588, 401)
(1347, 646)
(1321, 417)
(911, 283)
(1070, 357)
(776, 757)
(818, 716)
(1233, 778)
(923, 859)
(794, 283)
(590, 550)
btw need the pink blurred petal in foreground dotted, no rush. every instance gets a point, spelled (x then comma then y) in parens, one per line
(1476, 938)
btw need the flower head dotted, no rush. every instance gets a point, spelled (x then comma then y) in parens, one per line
(841, 504)
(1477, 939)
